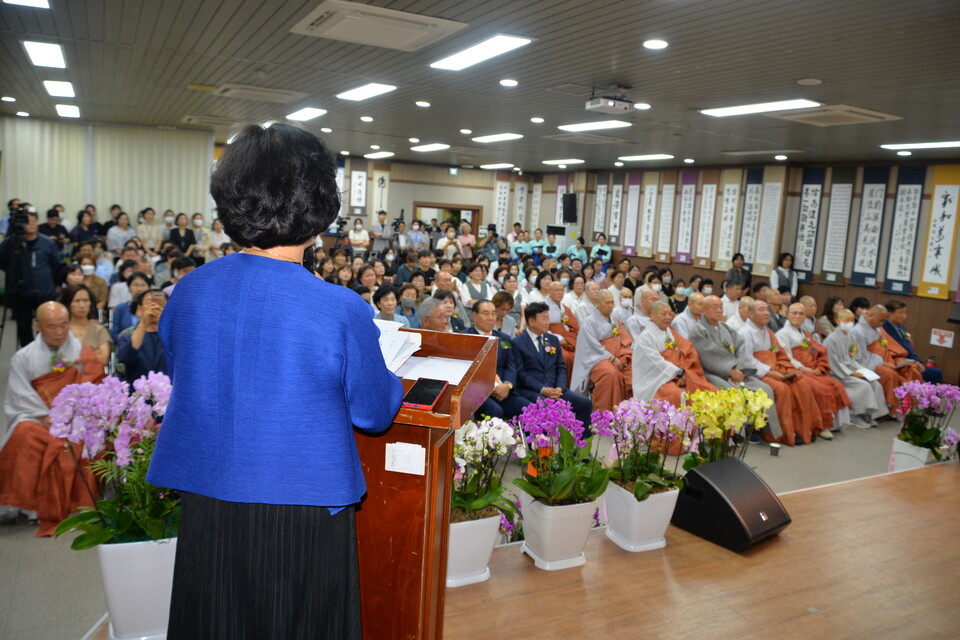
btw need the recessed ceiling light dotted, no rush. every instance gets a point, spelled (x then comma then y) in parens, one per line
(344, 153)
(922, 145)
(326, 130)
(652, 156)
(36, 4)
(762, 107)
(618, 164)
(497, 165)
(374, 146)
(517, 169)
(45, 54)
(594, 126)
(366, 119)
(307, 113)
(366, 91)
(498, 137)
(780, 157)
(436, 146)
(809, 82)
(564, 161)
(8, 99)
(23, 114)
(689, 160)
(376, 155)
(422, 103)
(561, 166)
(536, 120)
(508, 82)
(641, 106)
(655, 44)
(68, 111)
(414, 140)
(904, 153)
(466, 132)
(59, 89)
(495, 46)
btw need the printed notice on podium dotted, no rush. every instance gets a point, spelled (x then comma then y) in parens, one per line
(406, 457)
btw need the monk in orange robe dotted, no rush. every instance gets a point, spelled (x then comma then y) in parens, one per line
(604, 357)
(893, 353)
(563, 324)
(38, 471)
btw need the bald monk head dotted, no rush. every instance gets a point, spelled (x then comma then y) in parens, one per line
(796, 314)
(605, 303)
(556, 291)
(759, 313)
(713, 309)
(590, 290)
(809, 306)
(647, 298)
(876, 315)
(695, 304)
(745, 303)
(661, 314)
(773, 299)
(53, 323)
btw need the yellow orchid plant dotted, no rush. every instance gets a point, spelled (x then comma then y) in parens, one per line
(720, 415)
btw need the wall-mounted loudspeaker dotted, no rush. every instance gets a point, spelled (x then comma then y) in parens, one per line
(727, 503)
(569, 208)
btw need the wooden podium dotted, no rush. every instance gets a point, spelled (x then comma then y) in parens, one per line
(404, 519)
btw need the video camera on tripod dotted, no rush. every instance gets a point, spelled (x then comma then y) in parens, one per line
(395, 225)
(18, 218)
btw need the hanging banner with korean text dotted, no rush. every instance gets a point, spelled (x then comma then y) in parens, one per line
(838, 222)
(873, 200)
(536, 196)
(600, 205)
(768, 230)
(941, 245)
(358, 191)
(688, 199)
(708, 206)
(616, 203)
(668, 198)
(648, 213)
(501, 206)
(728, 221)
(903, 232)
(808, 223)
(561, 189)
(632, 214)
(752, 195)
(520, 203)
(381, 190)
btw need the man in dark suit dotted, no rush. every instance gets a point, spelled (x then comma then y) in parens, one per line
(504, 401)
(542, 371)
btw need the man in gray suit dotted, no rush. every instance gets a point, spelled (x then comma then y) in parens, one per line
(723, 359)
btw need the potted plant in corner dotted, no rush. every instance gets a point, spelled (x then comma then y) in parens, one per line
(135, 526)
(643, 490)
(924, 438)
(477, 504)
(560, 486)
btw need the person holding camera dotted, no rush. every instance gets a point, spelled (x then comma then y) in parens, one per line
(492, 243)
(31, 261)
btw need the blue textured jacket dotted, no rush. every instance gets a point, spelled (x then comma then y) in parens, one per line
(272, 368)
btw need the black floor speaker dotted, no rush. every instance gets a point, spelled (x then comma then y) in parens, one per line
(727, 503)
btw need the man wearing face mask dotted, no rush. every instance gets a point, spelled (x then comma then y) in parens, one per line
(867, 401)
(623, 310)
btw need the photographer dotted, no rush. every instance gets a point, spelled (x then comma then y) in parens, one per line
(492, 243)
(31, 262)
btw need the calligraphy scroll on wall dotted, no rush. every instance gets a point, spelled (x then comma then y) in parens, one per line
(562, 188)
(381, 189)
(688, 198)
(752, 195)
(668, 198)
(616, 204)
(903, 232)
(358, 191)
(600, 205)
(941, 245)
(520, 190)
(501, 205)
(632, 213)
(536, 195)
(768, 230)
(341, 187)
(729, 219)
(838, 222)
(808, 222)
(873, 200)
(648, 213)
(708, 206)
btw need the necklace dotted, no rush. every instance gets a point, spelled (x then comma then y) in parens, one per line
(267, 251)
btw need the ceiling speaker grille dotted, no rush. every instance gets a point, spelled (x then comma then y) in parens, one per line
(834, 115)
(587, 138)
(248, 92)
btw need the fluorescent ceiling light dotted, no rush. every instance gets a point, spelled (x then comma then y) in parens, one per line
(422, 103)
(562, 166)
(508, 82)
(594, 126)
(376, 155)
(326, 130)
(498, 137)
(466, 132)
(436, 146)
(36, 4)
(655, 44)
(366, 91)
(780, 157)
(565, 161)
(652, 156)
(59, 89)
(344, 153)
(688, 160)
(904, 153)
(68, 111)
(536, 120)
(8, 99)
(307, 113)
(497, 165)
(641, 106)
(45, 54)
(414, 140)
(374, 146)
(495, 46)
(922, 145)
(23, 114)
(366, 119)
(618, 164)
(762, 107)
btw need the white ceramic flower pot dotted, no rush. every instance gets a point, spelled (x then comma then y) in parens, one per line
(909, 456)
(555, 536)
(138, 581)
(468, 550)
(638, 526)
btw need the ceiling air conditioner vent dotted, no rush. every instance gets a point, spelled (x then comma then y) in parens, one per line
(374, 26)
(247, 92)
(587, 138)
(208, 121)
(834, 115)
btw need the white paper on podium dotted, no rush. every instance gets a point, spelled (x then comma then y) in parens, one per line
(395, 345)
(449, 369)
(868, 375)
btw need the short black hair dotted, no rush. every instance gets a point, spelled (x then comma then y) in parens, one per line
(895, 305)
(476, 305)
(137, 300)
(183, 262)
(758, 287)
(534, 309)
(382, 293)
(737, 255)
(275, 186)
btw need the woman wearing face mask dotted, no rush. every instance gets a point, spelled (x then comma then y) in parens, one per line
(867, 402)
(81, 304)
(706, 287)
(150, 231)
(678, 301)
(96, 284)
(666, 278)
(654, 283)
(182, 237)
(121, 317)
(466, 240)
(169, 223)
(385, 299)
(359, 239)
(416, 236)
(408, 304)
(448, 243)
(390, 262)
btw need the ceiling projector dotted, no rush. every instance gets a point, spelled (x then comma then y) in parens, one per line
(614, 105)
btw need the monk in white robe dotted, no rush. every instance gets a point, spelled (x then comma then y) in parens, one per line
(604, 357)
(690, 316)
(640, 319)
(589, 304)
(37, 471)
(665, 364)
(867, 400)
(739, 319)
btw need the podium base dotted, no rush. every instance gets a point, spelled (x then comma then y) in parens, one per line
(553, 565)
(626, 545)
(461, 581)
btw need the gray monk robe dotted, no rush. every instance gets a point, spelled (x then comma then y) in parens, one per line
(721, 349)
(866, 397)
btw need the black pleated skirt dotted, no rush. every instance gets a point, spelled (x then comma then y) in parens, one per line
(264, 572)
